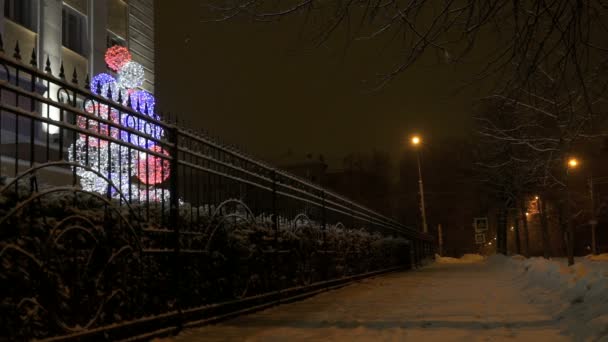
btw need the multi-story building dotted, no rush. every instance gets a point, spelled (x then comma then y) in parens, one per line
(75, 34)
(78, 32)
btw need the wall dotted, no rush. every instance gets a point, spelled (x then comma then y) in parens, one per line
(26, 38)
(71, 61)
(141, 37)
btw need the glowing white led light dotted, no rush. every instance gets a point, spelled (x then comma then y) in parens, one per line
(131, 75)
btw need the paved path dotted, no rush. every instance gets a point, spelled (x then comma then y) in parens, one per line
(471, 302)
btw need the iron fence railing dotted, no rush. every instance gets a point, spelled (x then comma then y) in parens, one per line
(110, 215)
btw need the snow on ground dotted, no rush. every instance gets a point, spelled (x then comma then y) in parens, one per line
(465, 259)
(599, 257)
(499, 299)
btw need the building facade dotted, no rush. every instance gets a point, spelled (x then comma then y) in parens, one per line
(75, 34)
(78, 32)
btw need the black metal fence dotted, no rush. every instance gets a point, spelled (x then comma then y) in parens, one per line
(111, 217)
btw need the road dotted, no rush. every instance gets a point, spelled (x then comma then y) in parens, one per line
(441, 302)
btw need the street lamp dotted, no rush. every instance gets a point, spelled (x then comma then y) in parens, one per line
(416, 142)
(572, 164)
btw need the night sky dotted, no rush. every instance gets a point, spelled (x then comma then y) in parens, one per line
(261, 86)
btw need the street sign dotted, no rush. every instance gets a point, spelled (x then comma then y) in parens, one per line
(480, 224)
(480, 238)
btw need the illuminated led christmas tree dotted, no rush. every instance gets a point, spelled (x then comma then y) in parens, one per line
(134, 173)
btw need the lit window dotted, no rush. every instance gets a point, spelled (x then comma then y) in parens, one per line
(74, 30)
(22, 12)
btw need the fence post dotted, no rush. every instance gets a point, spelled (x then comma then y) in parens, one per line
(174, 224)
(275, 226)
(324, 230)
(275, 219)
(323, 217)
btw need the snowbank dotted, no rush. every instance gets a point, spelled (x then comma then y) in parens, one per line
(599, 257)
(465, 259)
(577, 295)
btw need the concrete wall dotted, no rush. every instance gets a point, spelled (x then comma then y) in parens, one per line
(27, 39)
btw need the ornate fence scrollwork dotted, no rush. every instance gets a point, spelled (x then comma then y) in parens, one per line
(67, 257)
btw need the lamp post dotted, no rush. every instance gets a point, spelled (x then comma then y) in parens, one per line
(572, 165)
(593, 220)
(416, 142)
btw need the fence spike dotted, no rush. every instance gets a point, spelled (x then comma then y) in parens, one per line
(62, 71)
(34, 58)
(17, 54)
(97, 87)
(119, 96)
(47, 67)
(74, 76)
(109, 91)
(87, 82)
(129, 102)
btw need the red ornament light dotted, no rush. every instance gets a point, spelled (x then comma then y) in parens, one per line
(153, 169)
(93, 125)
(117, 56)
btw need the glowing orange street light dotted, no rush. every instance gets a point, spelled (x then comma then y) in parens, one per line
(416, 140)
(572, 163)
(536, 198)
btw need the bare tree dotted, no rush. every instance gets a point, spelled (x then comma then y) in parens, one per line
(516, 37)
(547, 120)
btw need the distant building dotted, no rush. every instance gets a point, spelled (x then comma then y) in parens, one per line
(307, 167)
(348, 182)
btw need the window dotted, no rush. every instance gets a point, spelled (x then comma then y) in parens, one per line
(117, 17)
(23, 12)
(74, 30)
(114, 39)
(79, 5)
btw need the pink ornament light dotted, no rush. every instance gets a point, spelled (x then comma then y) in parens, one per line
(92, 125)
(117, 56)
(153, 169)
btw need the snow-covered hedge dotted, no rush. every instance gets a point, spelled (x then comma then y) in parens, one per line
(72, 261)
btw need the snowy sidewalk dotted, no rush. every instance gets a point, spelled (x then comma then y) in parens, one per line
(442, 302)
